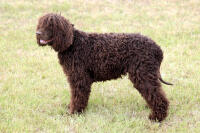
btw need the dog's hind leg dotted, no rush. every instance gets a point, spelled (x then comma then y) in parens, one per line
(145, 80)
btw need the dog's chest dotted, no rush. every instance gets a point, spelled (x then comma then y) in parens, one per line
(66, 62)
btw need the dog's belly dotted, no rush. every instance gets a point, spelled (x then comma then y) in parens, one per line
(107, 74)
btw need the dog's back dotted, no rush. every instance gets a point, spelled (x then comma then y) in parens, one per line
(108, 56)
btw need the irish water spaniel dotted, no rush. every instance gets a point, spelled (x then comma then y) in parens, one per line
(91, 57)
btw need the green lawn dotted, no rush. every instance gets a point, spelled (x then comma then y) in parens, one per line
(33, 88)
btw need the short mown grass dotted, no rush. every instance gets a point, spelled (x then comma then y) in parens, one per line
(34, 91)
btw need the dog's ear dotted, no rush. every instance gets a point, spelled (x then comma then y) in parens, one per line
(62, 33)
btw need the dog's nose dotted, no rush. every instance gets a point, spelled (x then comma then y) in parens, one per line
(38, 32)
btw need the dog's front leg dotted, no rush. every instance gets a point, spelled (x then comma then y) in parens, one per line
(80, 91)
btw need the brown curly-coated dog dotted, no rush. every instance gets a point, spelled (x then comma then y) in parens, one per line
(91, 57)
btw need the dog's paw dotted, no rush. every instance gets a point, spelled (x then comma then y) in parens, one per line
(152, 117)
(70, 110)
(157, 118)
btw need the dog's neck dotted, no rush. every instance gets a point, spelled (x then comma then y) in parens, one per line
(78, 36)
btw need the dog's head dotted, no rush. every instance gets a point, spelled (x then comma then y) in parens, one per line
(55, 31)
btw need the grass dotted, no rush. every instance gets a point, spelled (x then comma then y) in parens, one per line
(33, 89)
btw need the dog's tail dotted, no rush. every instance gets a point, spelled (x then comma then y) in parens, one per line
(160, 78)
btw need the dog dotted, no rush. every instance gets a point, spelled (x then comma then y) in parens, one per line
(92, 57)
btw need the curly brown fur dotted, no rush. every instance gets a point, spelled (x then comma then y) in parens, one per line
(91, 57)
